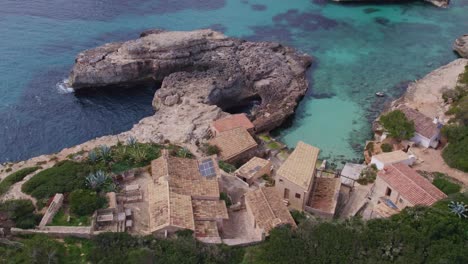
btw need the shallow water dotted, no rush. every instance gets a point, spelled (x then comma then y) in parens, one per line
(358, 50)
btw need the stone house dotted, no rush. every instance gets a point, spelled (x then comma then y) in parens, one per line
(387, 158)
(398, 186)
(427, 130)
(266, 210)
(254, 169)
(231, 122)
(185, 195)
(294, 179)
(235, 145)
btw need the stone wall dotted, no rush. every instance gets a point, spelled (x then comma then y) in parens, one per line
(53, 208)
(57, 231)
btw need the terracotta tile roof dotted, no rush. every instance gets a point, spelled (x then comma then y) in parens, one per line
(300, 165)
(249, 169)
(423, 125)
(206, 229)
(209, 209)
(170, 208)
(198, 188)
(392, 157)
(231, 122)
(268, 208)
(411, 186)
(233, 142)
(174, 166)
(325, 194)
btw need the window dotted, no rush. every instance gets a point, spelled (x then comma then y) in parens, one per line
(286, 193)
(388, 192)
(298, 196)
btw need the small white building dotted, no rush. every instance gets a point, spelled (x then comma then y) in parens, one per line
(387, 158)
(427, 130)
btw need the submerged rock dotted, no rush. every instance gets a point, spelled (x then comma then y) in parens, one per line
(461, 46)
(202, 66)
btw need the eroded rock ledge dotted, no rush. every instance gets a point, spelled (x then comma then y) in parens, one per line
(201, 67)
(461, 46)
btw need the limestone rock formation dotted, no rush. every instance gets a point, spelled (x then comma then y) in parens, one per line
(438, 3)
(461, 46)
(202, 67)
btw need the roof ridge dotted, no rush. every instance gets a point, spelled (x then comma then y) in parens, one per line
(268, 204)
(415, 183)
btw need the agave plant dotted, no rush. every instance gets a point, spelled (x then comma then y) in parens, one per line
(105, 152)
(97, 180)
(139, 155)
(458, 208)
(93, 156)
(184, 153)
(132, 141)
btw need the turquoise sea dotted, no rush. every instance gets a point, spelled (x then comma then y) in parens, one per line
(359, 49)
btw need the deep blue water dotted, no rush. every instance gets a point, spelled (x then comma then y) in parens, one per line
(359, 49)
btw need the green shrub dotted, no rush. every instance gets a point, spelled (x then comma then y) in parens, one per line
(85, 202)
(135, 155)
(456, 153)
(273, 145)
(397, 125)
(15, 177)
(211, 149)
(223, 196)
(386, 147)
(229, 168)
(21, 212)
(64, 177)
(445, 185)
(298, 216)
(368, 175)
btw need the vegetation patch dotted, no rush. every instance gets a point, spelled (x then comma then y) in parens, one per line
(386, 147)
(21, 212)
(442, 182)
(397, 125)
(269, 181)
(265, 138)
(225, 197)
(64, 177)
(209, 149)
(65, 219)
(85, 202)
(15, 177)
(274, 145)
(229, 168)
(368, 175)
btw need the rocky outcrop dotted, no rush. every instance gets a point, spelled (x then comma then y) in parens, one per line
(438, 3)
(461, 46)
(201, 67)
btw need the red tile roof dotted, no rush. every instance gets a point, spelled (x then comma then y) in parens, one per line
(423, 125)
(231, 122)
(411, 186)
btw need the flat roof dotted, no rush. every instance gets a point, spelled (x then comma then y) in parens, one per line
(351, 171)
(324, 196)
(300, 166)
(392, 157)
(249, 169)
(410, 184)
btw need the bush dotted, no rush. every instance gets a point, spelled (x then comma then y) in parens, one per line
(456, 153)
(397, 125)
(229, 168)
(223, 196)
(85, 202)
(368, 175)
(21, 212)
(211, 149)
(64, 177)
(134, 155)
(15, 177)
(445, 185)
(298, 216)
(386, 147)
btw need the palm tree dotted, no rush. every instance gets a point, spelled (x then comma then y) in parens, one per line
(458, 208)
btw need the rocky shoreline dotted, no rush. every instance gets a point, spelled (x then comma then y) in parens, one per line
(438, 3)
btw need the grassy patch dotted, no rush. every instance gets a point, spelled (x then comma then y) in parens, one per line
(274, 145)
(64, 177)
(229, 168)
(265, 138)
(60, 219)
(442, 182)
(15, 177)
(126, 157)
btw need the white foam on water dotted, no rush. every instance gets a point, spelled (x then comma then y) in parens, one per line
(64, 87)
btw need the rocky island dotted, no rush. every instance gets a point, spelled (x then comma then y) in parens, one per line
(461, 46)
(202, 73)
